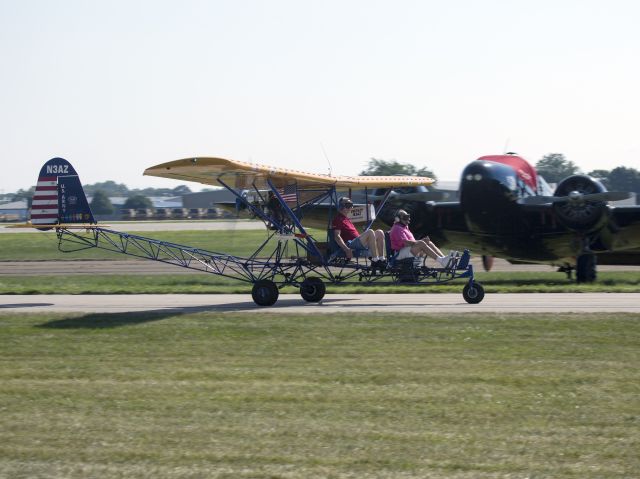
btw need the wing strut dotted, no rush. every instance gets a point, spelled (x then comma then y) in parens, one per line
(379, 208)
(295, 220)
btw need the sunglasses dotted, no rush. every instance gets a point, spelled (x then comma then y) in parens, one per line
(405, 217)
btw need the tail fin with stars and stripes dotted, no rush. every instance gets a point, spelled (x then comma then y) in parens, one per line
(59, 198)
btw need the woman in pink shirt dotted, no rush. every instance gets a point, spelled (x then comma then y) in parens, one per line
(403, 241)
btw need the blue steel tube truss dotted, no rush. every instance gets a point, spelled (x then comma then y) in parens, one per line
(271, 265)
(283, 265)
(294, 258)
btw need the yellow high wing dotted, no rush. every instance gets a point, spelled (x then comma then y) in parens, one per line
(242, 175)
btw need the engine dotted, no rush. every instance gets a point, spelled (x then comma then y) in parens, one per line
(578, 212)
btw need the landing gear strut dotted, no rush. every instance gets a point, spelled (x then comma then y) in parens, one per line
(586, 268)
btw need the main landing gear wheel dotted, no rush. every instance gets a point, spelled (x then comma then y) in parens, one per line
(312, 290)
(265, 293)
(586, 268)
(473, 292)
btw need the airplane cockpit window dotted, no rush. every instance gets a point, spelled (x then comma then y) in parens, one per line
(543, 187)
(523, 189)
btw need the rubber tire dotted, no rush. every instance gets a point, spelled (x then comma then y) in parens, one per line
(312, 290)
(586, 268)
(473, 293)
(265, 293)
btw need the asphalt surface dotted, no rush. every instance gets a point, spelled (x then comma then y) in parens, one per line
(331, 304)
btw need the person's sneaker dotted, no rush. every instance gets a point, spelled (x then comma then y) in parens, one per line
(382, 265)
(373, 265)
(444, 261)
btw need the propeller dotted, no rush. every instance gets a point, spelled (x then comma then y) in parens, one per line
(576, 197)
(487, 262)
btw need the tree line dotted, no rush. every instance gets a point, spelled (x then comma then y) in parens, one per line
(553, 167)
(102, 191)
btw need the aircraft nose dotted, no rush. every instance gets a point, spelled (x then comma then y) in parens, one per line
(479, 171)
(488, 173)
(484, 181)
(474, 173)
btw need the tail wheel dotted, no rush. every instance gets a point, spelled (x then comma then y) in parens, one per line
(312, 290)
(473, 292)
(265, 293)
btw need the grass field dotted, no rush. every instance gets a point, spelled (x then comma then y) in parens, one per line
(44, 246)
(610, 282)
(20, 246)
(233, 395)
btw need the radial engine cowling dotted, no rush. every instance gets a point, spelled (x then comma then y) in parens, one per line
(577, 212)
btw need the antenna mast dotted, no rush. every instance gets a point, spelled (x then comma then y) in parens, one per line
(327, 158)
(506, 146)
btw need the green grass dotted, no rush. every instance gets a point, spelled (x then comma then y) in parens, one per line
(44, 246)
(618, 282)
(236, 395)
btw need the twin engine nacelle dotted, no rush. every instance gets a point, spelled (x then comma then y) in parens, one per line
(584, 206)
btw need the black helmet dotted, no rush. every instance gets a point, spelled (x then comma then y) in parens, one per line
(345, 202)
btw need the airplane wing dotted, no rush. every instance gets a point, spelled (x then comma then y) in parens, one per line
(625, 222)
(626, 215)
(242, 175)
(446, 223)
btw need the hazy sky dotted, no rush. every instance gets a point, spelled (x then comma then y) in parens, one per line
(117, 86)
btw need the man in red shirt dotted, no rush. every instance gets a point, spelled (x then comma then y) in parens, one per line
(348, 238)
(403, 241)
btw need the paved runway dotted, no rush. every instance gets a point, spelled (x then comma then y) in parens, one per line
(331, 304)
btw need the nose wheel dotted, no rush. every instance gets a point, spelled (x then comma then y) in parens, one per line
(473, 292)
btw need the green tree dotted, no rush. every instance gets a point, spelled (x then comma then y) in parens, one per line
(619, 179)
(622, 178)
(24, 195)
(110, 188)
(377, 167)
(554, 167)
(599, 174)
(137, 201)
(181, 190)
(100, 204)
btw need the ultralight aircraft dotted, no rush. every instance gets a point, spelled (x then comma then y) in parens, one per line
(282, 199)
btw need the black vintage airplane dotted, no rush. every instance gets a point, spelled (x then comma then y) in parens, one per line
(507, 210)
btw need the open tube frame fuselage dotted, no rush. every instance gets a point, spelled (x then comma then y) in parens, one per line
(289, 256)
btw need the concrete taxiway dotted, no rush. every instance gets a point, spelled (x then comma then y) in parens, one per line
(331, 304)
